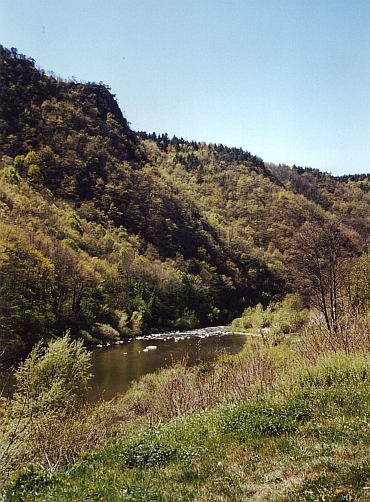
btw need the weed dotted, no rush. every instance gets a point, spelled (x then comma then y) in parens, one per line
(147, 452)
(266, 419)
(247, 427)
(30, 478)
(343, 484)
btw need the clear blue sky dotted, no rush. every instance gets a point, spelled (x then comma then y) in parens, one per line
(288, 80)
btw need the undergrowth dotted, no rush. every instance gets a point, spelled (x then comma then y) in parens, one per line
(299, 433)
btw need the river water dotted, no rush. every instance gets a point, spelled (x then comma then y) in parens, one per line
(114, 367)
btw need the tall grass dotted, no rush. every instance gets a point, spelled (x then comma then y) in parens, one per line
(310, 447)
(288, 422)
(351, 336)
(180, 389)
(55, 440)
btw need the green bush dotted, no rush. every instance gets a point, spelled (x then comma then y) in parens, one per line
(34, 173)
(71, 244)
(53, 377)
(30, 478)
(75, 222)
(336, 370)
(105, 333)
(10, 175)
(276, 319)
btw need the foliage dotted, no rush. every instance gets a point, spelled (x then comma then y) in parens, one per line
(27, 285)
(174, 233)
(30, 478)
(53, 378)
(275, 321)
(306, 442)
(51, 387)
(106, 233)
(244, 424)
(337, 370)
(266, 419)
(319, 257)
(146, 451)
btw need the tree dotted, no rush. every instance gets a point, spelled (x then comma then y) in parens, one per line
(358, 286)
(27, 283)
(318, 265)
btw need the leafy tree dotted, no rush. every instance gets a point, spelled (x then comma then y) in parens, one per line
(141, 231)
(358, 285)
(27, 283)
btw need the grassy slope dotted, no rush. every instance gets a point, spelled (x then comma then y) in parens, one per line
(306, 441)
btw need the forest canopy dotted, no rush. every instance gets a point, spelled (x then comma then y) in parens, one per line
(107, 233)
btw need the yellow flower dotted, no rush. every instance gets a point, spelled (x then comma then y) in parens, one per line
(338, 490)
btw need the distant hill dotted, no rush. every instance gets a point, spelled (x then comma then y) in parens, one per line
(107, 232)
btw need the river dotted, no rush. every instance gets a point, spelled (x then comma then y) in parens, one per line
(114, 367)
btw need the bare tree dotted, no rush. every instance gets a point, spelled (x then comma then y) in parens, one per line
(318, 262)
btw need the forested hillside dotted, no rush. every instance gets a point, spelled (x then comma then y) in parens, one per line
(108, 233)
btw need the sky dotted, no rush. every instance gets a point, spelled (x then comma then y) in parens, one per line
(287, 80)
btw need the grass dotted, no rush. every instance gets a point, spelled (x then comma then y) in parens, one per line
(264, 425)
(308, 443)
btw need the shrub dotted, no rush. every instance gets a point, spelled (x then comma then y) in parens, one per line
(29, 478)
(75, 222)
(277, 319)
(10, 174)
(266, 419)
(46, 418)
(105, 333)
(352, 336)
(147, 451)
(53, 377)
(34, 173)
(71, 244)
(136, 322)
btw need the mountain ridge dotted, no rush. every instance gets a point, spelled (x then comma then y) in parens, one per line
(138, 232)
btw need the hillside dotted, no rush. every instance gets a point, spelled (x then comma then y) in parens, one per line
(107, 232)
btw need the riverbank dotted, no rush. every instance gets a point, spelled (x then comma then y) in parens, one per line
(298, 434)
(116, 364)
(115, 367)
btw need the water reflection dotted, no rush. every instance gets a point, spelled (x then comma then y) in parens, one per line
(116, 366)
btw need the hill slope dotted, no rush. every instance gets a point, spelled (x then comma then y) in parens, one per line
(109, 233)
